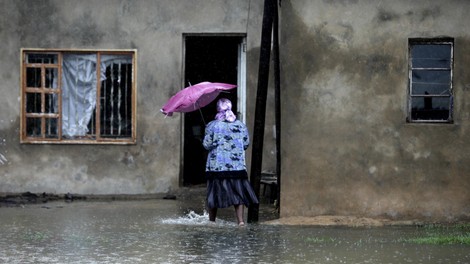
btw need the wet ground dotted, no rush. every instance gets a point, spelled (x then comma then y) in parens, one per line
(176, 230)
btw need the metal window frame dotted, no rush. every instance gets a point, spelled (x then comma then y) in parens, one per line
(430, 41)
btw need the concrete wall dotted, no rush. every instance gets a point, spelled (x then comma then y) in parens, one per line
(155, 29)
(347, 148)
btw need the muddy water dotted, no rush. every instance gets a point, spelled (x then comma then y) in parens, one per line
(170, 231)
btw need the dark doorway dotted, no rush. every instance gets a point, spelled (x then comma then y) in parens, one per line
(213, 59)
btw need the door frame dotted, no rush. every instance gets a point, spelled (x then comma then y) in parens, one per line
(241, 85)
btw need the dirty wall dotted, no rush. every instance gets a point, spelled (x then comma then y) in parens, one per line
(347, 148)
(155, 29)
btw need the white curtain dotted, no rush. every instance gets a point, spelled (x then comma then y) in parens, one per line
(79, 85)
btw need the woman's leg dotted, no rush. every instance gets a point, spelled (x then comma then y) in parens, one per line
(239, 211)
(212, 214)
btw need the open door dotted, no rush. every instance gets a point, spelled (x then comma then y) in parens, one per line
(212, 58)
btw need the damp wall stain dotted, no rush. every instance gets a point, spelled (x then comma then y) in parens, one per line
(347, 148)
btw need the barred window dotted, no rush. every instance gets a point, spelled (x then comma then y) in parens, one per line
(430, 80)
(78, 96)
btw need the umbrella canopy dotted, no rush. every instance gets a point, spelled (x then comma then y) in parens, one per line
(194, 97)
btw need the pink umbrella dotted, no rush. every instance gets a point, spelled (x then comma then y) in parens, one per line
(194, 97)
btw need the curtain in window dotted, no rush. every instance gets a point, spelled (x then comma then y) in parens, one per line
(79, 85)
(78, 93)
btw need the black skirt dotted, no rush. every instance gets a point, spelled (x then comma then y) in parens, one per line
(227, 188)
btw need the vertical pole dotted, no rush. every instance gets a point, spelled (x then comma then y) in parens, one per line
(277, 100)
(260, 110)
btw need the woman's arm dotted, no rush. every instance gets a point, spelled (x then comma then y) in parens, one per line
(246, 138)
(208, 142)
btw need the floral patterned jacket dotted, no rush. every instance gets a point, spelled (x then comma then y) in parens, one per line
(226, 143)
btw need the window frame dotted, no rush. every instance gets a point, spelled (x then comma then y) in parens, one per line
(410, 96)
(25, 139)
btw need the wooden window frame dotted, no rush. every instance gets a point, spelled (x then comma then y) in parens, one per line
(430, 41)
(97, 138)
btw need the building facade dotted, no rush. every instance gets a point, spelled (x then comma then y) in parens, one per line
(374, 99)
(355, 138)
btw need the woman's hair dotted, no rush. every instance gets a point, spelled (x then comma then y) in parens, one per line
(224, 110)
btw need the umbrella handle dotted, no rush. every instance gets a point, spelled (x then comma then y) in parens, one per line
(202, 116)
(199, 109)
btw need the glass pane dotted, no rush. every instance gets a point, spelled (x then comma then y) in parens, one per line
(51, 78)
(42, 58)
(33, 127)
(33, 77)
(431, 56)
(51, 128)
(33, 103)
(430, 82)
(51, 103)
(430, 108)
(433, 89)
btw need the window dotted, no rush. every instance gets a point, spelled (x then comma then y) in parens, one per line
(78, 96)
(430, 80)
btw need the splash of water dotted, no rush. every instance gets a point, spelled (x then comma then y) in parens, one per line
(192, 218)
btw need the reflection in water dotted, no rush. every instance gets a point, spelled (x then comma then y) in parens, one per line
(164, 231)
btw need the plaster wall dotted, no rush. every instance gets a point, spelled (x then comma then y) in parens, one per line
(155, 29)
(346, 146)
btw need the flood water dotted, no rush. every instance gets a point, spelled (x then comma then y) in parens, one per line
(168, 231)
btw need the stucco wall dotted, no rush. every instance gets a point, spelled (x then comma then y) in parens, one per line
(346, 146)
(347, 149)
(155, 29)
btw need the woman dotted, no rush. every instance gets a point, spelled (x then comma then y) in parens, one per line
(227, 138)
